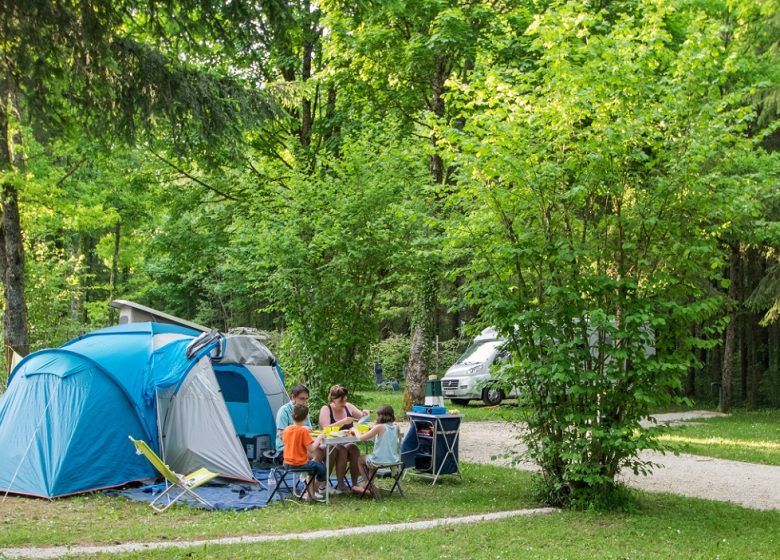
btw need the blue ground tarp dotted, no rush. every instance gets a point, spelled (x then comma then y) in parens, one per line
(233, 496)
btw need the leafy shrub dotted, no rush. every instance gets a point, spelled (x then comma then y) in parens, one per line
(449, 351)
(393, 354)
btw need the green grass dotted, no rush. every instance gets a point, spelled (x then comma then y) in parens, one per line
(751, 436)
(477, 411)
(662, 527)
(474, 411)
(97, 518)
(658, 525)
(373, 399)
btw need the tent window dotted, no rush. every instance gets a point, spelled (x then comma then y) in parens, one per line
(233, 386)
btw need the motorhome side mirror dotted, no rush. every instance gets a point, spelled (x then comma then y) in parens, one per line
(502, 356)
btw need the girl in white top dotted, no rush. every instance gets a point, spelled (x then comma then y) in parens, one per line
(385, 447)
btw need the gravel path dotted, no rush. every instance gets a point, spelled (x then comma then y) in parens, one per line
(746, 484)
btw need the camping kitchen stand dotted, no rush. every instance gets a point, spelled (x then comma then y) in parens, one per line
(430, 448)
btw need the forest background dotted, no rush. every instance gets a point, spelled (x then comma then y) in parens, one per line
(373, 181)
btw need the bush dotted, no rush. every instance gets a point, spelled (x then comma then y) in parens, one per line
(393, 354)
(449, 351)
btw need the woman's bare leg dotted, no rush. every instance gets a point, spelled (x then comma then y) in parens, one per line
(339, 457)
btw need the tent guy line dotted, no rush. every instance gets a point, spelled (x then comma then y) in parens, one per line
(60, 551)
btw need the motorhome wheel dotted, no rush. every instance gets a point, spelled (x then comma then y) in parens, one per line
(492, 396)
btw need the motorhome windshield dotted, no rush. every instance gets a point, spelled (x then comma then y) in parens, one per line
(479, 352)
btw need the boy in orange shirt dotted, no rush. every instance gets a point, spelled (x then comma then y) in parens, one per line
(298, 445)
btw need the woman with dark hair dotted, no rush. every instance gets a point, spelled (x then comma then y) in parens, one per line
(342, 414)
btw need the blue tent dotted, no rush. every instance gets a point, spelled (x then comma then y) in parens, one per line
(66, 415)
(250, 406)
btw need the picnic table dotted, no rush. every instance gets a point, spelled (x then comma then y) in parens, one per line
(331, 439)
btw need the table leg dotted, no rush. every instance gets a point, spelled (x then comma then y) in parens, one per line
(327, 475)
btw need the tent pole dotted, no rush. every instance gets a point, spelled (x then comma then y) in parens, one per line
(160, 439)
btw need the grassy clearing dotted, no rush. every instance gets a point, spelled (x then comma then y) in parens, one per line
(751, 436)
(662, 527)
(659, 526)
(477, 411)
(97, 518)
(474, 411)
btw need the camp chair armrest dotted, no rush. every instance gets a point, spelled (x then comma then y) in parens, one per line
(198, 477)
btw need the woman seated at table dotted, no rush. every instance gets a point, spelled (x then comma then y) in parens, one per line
(338, 412)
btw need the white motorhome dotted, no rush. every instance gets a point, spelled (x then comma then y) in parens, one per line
(469, 377)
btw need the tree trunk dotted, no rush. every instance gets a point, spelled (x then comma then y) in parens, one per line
(307, 117)
(730, 345)
(755, 270)
(715, 364)
(422, 335)
(76, 295)
(15, 335)
(728, 369)
(114, 280)
(773, 359)
(422, 340)
(752, 359)
(744, 328)
(417, 370)
(438, 81)
(307, 112)
(690, 384)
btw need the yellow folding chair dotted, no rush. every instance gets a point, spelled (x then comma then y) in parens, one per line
(186, 483)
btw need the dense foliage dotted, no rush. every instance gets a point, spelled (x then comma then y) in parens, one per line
(593, 211)
(599, 180)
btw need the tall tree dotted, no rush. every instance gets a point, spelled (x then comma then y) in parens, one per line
(399, 58)
(325, 258)
(12, 171)
(596, 187)
(71, 64)
(749, 36)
